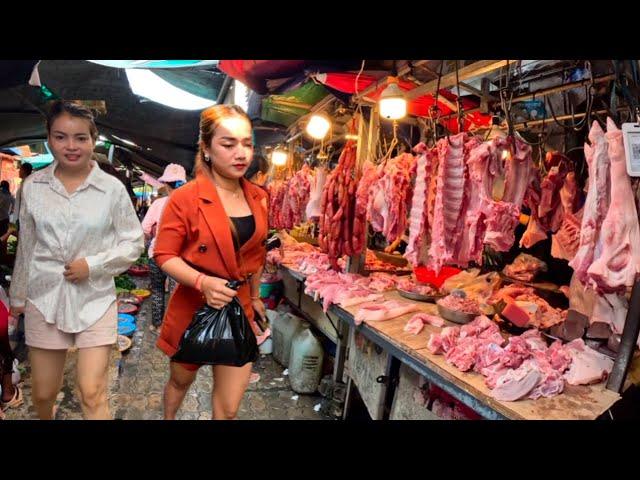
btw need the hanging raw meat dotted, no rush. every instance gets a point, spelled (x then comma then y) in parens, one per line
(277, 192)
(450, 193)
(544, 199)
(479, 179)
(418, 218)
(503, 215)
(468, 242)
(315, 194)
(596, 204)
(390, 197)
(296, 198)
(618, 264)
(369, 176)
(565, 243)
(288, 199)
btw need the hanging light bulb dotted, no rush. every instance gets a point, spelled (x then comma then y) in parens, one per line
(392, 103)
(279, 157)
(318, 126)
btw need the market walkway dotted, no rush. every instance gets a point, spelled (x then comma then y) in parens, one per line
(139, 375)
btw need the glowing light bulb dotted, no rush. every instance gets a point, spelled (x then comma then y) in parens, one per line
(318, 126)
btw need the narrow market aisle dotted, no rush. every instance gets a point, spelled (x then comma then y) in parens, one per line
(138, 377)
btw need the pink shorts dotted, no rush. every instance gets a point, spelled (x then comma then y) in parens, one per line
(40, 334)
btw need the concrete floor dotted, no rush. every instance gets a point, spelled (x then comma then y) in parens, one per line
(138, 376)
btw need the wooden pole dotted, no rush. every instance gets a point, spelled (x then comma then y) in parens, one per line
(355, 263)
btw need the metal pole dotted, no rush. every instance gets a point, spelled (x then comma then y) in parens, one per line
(111, 150)
(341, 351)
(628, 342)
(297, 135)
(550, 120)
(544, 92)
(317, 147)
(224, 89)
(390, 380)
(561, 88)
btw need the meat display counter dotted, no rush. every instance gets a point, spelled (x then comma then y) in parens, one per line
(575, 403)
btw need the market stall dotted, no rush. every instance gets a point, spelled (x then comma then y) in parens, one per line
(585, 402)
(511, 248)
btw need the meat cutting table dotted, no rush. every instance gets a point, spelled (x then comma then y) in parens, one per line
(576, 402)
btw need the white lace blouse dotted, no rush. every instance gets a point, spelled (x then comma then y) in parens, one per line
(96, 222)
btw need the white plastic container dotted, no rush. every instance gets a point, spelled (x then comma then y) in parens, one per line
(283, 330)
(266, 347)
(305, 364)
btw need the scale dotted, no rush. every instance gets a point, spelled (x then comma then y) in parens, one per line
(631, 136)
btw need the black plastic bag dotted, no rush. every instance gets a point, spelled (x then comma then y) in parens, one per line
(219, 337)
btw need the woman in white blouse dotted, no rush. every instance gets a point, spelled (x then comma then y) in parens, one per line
(78, 229)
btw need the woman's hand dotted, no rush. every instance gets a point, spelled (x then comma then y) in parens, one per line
(258, 306)
(76, 271)
(216, 293)
(15, 311)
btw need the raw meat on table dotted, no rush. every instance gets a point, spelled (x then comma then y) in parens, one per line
(540, 314)
(525, 268)
(379, 311)
(414, 326)
(419, 320)
(517, 383)
(459, 304)
(410, 285)
(444, 341)
(587, 365)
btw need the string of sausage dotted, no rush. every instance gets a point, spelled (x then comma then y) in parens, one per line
(338, 207)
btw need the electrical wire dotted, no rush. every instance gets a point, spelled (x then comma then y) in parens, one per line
(435, 109)
(459, 102)
(358, 77)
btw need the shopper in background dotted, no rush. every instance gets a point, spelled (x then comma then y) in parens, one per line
(11, 394)
(213, 230)
(24, 172)
(6, 206)
(78, 231)
(173, 177)
(258, 171)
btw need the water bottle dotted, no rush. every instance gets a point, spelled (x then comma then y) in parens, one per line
(305, 364)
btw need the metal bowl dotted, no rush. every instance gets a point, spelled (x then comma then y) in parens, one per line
(454, 315)
(418, 297)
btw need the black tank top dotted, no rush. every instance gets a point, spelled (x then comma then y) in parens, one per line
(245, 227)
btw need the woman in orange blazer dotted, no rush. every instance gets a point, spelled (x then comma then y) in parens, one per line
(213, 229)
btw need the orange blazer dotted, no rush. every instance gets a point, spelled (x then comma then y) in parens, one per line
(195, 227)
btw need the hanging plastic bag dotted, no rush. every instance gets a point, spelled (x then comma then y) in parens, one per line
(219, 336)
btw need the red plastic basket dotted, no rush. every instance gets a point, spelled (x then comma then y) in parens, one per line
(426, 275)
